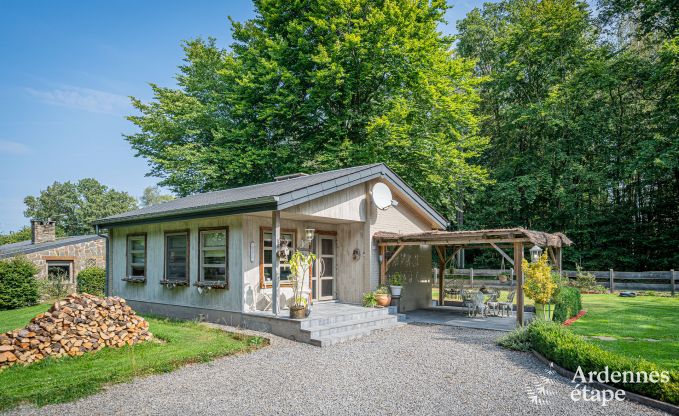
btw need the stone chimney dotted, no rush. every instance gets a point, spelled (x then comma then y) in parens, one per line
(43, 231)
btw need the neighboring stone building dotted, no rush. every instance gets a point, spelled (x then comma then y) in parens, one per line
(67, 255)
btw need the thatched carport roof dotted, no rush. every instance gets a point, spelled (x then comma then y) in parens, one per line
(462, 238)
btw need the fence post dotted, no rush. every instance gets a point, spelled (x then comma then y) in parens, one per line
(610, 281)
(672, 281)
(471, 275)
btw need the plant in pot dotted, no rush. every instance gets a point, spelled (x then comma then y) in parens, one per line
(503, 277)
(299, 268)
(382, 296)
(540, 286)
(369, 300)
(396, 284)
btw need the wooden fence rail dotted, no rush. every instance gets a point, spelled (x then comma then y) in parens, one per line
(611, 279)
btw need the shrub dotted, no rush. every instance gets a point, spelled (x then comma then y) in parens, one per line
(586, 281)
(18, 287)
(539, 284)
(92, 280)
(558, 344)
(517, 340)
(567, 303)
(369, 300)
(396, 279)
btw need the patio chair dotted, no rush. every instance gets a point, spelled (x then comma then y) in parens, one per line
(507, 305)
(492, 302)
(267, 295)
(467, 301)
(479, 305)
(453, 288)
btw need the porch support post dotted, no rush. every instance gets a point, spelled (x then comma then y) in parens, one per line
(383, 264)
(442, 269)
(275, 278)
(518, 260)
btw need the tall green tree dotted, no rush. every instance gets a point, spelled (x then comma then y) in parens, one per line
(582, 119)
(74, 206)
(313, 86)
(152, 196)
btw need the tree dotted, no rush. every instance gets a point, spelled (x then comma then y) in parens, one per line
(152, 196)
(313, 86)
(74, 206)
(15, 237)
(583, 129)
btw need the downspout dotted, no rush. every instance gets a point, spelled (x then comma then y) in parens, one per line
(108, 269)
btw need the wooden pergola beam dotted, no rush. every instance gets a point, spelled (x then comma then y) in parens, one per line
(499, 250)
(518, 259)
(393, 256)
(455, 242)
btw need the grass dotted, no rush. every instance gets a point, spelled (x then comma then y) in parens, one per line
(55, 381)
(645, 326)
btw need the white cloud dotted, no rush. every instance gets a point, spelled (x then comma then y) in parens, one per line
(79, 98)
(8, 147)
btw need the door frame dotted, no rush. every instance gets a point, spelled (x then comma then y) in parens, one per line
(319, 258)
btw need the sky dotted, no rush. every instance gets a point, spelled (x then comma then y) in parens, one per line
(66, 72)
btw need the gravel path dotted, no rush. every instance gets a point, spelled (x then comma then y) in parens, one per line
(411, 370)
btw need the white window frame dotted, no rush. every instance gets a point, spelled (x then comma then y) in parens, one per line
(281, 265)
(202, 265)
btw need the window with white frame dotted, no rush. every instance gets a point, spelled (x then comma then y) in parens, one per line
(177, 257)
(213, 256)
(266, 257)
(136, 257)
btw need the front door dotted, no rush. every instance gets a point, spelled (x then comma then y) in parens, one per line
(323, 283)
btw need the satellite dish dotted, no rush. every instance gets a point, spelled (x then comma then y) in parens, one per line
(381, 195)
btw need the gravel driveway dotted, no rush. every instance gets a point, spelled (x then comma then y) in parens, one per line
(414, 369)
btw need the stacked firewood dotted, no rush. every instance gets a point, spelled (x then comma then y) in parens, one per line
(74, 326)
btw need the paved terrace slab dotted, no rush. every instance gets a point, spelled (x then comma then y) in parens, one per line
(457, 316)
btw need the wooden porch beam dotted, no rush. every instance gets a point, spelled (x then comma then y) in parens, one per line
(383, 264)
(501, 251)
(442, 269)
(449, 242)
(275, 278)
(393, 256)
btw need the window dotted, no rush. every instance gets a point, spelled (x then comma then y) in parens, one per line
(60, 270)
(136, 257)
(266, 257)
(213, 257)
(177, 257)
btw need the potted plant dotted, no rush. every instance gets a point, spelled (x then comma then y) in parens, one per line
(539, 285)
(369, 300)
(396, 284)
(382, 296)
(299, 268)
(503, 277)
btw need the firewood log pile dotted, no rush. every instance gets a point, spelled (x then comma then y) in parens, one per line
(78, 324)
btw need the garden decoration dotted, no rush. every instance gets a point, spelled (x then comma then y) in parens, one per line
(299, 268)
(539, 285)
(382, 296)
(396, 284)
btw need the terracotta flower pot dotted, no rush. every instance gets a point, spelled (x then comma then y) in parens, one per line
(297, 312)
(383, 299)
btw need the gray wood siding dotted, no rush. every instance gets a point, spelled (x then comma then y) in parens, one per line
(152, 291)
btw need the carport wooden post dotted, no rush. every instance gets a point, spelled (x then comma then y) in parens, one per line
(518, 260)
(275, 278)
(383, 264)
(442, 269)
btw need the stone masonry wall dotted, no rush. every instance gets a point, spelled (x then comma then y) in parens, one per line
(82, 255)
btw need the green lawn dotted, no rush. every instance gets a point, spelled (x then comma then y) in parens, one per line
(66, 379)
(645, 326)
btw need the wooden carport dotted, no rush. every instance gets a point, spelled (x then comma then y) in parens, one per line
(449, 243)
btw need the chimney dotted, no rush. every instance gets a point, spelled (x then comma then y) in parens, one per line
(43, 231)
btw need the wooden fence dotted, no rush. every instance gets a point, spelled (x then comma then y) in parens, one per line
(611, 279)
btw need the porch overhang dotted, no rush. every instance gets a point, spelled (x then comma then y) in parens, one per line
(514, 238)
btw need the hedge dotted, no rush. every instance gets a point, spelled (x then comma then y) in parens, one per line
(92, 280)
(563, 347)
(567, 303)
(18, 287)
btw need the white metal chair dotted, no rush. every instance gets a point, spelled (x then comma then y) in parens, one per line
(267, 295)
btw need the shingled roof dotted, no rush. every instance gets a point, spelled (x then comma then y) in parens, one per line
(27, 247)
(268, 196)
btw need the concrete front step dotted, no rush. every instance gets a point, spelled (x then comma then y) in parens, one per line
(318, 332)
(365, 313)
(349, 335)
